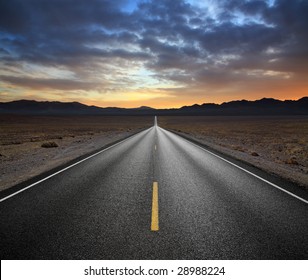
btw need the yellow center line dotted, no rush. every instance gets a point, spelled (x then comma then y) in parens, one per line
(155, 147)
(154, 222)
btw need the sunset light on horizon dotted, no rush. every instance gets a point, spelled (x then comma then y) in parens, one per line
(157, 53)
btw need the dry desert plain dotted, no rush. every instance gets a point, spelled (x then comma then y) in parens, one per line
(276, 144)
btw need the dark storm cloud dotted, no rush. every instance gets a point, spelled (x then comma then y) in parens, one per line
(4, 52)
(288, 19)
(20, 16)
(174, 39)
(46, 29)
(58, 84)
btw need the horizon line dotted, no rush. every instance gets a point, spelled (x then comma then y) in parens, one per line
(249, 100)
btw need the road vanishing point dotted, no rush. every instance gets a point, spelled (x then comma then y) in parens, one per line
(155, 195)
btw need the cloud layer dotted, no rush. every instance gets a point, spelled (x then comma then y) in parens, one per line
(158, 52)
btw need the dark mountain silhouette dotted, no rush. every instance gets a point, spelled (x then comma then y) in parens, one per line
(265, 106)
(143, 108)
(29, 107)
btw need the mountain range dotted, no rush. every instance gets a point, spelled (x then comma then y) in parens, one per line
(265, 106)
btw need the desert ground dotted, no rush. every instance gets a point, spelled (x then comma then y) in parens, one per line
(30, 145)
(278, 145)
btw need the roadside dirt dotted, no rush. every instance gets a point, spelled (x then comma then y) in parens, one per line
(21, 138)
(278, 145)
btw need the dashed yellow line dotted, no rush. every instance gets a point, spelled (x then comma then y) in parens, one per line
(154, 221)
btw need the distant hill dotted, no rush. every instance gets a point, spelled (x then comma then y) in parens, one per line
(265, 106)
(31, 107)
(143, 108)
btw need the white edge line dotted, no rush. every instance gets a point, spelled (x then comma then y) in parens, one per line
(68, 167)
(243, 169)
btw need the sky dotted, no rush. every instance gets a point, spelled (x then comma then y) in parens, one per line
(158, 53)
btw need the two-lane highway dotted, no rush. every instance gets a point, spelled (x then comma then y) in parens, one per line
(154, 196)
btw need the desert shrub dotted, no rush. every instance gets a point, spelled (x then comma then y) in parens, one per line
(49, 145)
(238, 148)
(292, 161)
(16, 142)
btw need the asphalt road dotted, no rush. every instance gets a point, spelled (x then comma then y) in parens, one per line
(103, 208)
